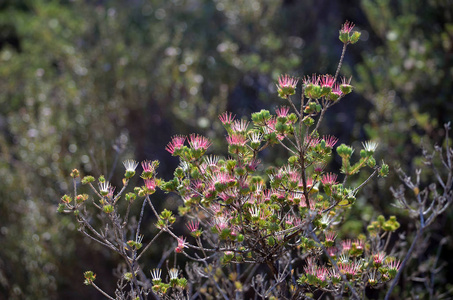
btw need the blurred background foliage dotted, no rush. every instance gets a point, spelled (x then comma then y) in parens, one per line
(88, 84)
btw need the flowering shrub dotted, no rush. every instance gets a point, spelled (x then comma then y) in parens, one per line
(268, 231)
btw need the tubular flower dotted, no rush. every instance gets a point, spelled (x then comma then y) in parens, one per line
(346, 34)
(327, 82)
(156, 275)
(104, 188)
(282, 111)
(173, 273)
(346, 86)
(150, 185)
(312, 87)
(193, 226)
(329, 179)
(335, 94)
(199, 142)
(237, 140)
(177, 142)
(226, 118)
(130, 165)
(330, 140)
(240, 126)
(286, 86)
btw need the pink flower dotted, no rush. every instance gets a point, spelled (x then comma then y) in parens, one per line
(321, 273)
(312, 141)
(193, 226)
(150, 185)
(329, 179)
(237, 140)
(359, 244)
(199, 142)
(346, 245)
(176, 143)
(379, 258)
(330, 140)
(240, 126)
(286, 81)
(282, 111)
(350, 268)
(313, 80)
(394, 265)
(347, 27)
(226, 118)
(148, 169)
(181, 244)
(336, 93)
(327, 81)
(331, 251)
(221, 223)
(330, 236)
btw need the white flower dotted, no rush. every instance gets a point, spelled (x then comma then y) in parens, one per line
(156, 273)
(173, 273)
(104, 187)
(130, 165)
(255, 137)
(370, 146)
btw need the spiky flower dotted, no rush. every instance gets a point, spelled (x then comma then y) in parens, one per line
(226, 118)
(370, 146)
(104, 188)
(130, 165)
(346, 86)
(345, 33)
(336, 93)
(330, 140)
(173, 273)
(286, 86)
(197, 141)
(156, 275)
(150, 185)
(329, 179)
(282, 111)
(177, 142)
(193, 225)
(312, 87)
(240, 126)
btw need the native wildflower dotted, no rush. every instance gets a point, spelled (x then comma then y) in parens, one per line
(345, 34)
(156, 276)
(176, 144)
(286, 86)
(130, 165)
(181, 244)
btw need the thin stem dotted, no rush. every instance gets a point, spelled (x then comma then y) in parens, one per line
(149, 244)
(366, 181)
(340, 62)
(101, 291)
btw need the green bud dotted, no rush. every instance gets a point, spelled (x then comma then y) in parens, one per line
(108, 208)
(384, 171)
(308, 121)
(87, 179)
(346, 88)
(344, 37)
(355, 37)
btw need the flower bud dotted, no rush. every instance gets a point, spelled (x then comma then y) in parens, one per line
(75, 173)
